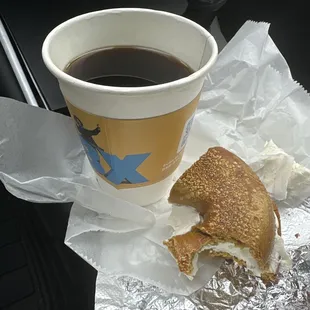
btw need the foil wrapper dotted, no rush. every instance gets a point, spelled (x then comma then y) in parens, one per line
(232, 287)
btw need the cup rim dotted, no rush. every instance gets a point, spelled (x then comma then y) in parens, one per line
(61, 75)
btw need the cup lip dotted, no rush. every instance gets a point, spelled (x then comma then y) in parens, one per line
(64, 77)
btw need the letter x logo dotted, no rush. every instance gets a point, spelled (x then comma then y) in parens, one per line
(124, 169)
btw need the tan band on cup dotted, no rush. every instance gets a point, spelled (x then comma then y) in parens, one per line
(134, 153)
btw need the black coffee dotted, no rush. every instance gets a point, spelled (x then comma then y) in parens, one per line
(127, 67)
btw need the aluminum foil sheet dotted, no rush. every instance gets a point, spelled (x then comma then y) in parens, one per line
(232, 287)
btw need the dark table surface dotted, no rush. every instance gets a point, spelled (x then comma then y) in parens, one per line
(37, 271)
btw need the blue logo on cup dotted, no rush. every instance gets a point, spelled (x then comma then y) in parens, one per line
(122, 171)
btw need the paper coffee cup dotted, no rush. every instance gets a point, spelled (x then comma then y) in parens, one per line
(134, 137)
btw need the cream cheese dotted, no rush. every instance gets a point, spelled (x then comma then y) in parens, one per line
(278, 256)
(195, 267)
(183, 218)
(240, 253)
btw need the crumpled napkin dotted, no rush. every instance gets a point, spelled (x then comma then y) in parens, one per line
(42, 160)
(140, 254)
(283, 177)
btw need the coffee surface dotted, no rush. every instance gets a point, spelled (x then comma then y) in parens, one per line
(128, 67)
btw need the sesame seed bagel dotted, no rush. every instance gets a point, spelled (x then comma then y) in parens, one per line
(234, 204)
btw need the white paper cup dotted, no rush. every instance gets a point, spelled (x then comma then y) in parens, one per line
(135, 135)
